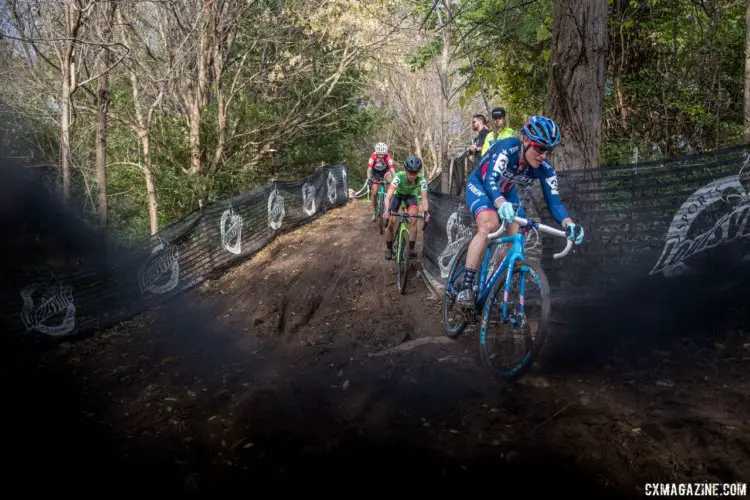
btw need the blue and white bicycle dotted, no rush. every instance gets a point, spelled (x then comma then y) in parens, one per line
(513, 298)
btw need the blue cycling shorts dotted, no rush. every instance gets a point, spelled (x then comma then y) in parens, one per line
(478, 201)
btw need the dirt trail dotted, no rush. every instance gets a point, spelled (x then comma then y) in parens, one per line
(289, 368)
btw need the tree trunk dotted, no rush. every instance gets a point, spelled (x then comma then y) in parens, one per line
(73, 22)
(618, 51)
(195, 138)
(222, 43)
(434, 160)
(153, 214)
(446, 92)
(148, 174)
(101, 144)
(102, 108)
(200, 97)
(142, 128)
(747, 73)
(65, 130)
(576, 85)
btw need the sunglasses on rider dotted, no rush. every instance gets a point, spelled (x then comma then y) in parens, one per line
(542, 150)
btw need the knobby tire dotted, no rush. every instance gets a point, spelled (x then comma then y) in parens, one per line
(449, 298)
(514, 370)
(402, 260)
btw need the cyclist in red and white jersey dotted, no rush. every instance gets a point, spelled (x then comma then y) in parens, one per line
(380, 167)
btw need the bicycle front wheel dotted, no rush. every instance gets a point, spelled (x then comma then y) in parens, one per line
(402, 260)
(454, 322)
(513, 330)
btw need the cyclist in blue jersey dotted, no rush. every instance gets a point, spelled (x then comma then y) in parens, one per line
(491, 191)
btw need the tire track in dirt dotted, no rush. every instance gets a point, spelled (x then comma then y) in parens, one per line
(327, 284)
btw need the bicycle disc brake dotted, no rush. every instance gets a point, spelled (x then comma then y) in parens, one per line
(515, 317)
(518, 319)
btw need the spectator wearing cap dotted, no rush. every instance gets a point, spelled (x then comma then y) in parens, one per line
(500, 132)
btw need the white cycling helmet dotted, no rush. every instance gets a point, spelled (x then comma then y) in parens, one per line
(381, 148)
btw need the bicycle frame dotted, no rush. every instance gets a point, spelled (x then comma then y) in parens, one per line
(403, 226)
(381, 196)
(515, 253)
(402, 248)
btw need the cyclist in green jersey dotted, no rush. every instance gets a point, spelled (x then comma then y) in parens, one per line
(405, 187)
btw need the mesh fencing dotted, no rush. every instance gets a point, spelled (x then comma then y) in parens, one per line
(660, 219)
(90, 288)
(663, 219)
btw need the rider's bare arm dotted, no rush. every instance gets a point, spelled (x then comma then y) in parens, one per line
(388, 196)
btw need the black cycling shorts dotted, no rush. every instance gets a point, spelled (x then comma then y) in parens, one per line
(396, 199)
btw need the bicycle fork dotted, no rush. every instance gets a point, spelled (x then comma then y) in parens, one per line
(517, 316)
(400, 249)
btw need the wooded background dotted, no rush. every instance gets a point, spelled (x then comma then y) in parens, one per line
(139, 111)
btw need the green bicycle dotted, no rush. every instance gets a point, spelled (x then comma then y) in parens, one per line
(402, 247)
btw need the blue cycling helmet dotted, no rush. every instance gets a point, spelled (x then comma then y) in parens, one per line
(413, 164)
(542, 130)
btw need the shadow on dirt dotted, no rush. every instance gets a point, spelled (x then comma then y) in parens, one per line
(51, 441)
(57, 440)
(657, 313)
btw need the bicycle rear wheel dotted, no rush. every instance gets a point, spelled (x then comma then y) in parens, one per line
(402, 260)
(453, 327)
(526, 322)
(381, 211)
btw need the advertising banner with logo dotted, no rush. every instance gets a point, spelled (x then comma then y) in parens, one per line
(55, 298)
(656, 220)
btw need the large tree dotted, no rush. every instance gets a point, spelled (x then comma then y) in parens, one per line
(575, 94)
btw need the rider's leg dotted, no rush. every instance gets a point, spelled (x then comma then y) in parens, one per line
(413, 208)
(510, 230)
(487, 220)
(395, 203)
